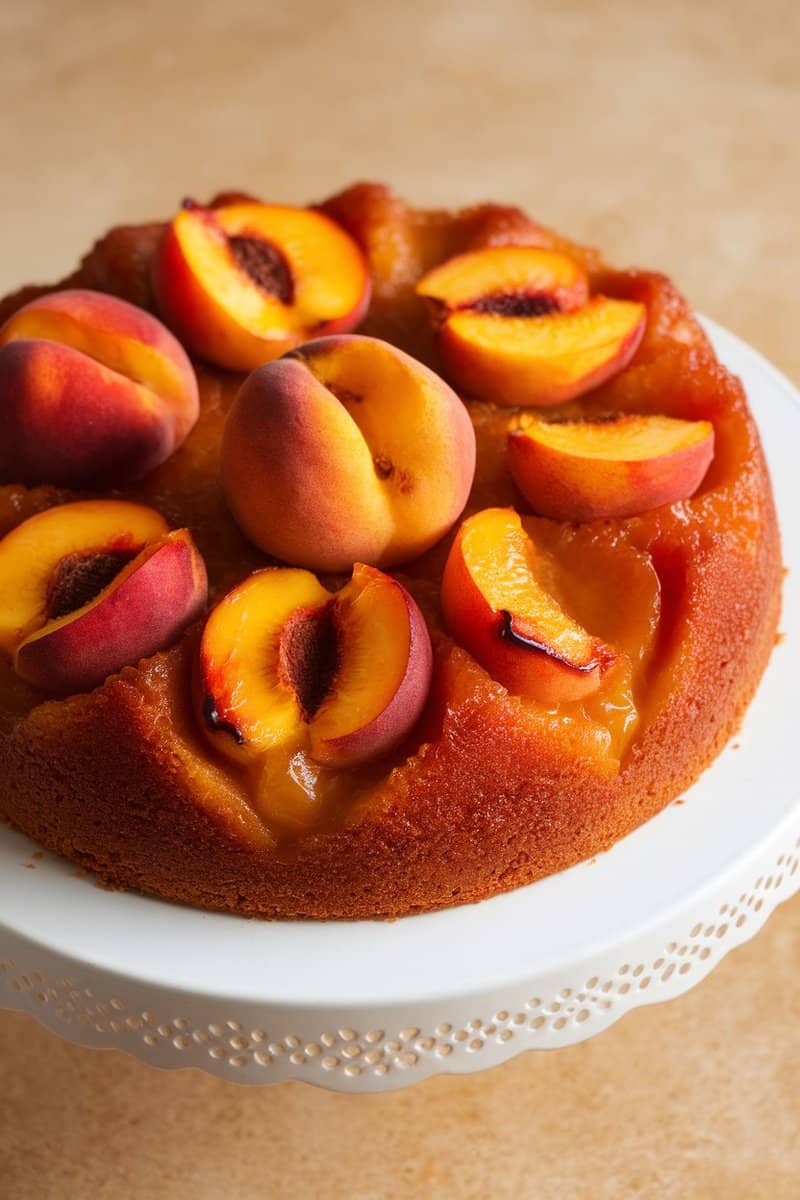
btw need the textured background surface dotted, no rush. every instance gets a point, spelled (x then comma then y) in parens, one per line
(666, 134)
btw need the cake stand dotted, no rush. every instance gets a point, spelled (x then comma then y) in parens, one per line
(369, 1006)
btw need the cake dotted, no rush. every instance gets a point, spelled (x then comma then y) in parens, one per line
(359, 560)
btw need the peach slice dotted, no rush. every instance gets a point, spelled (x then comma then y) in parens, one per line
(92, 390)
(541, 361)
(515, 326)
(90, 587)
(507, 280)
(497, 609)
(286, 664)
(243, 283)
(382, 455)
(615, 467)
(362, 717)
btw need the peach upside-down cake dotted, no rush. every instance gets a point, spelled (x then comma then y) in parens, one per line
(358, 560)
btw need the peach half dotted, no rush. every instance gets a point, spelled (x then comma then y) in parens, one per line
(91, 587)
(244, 283)
(496, 608)
(346, 450)
(615, 467)
(525, 281)
(286, 665)
(92, 390)
(515, 326)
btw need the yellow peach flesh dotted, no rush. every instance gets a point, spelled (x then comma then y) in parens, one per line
(145, 606)
(373, 658)
(629, 438)
(209, 258)
(243, 283)
(501, 559)
(541, 360)
(325, 264)
(249, 704)
(31, 551)
(497, 607)
(292, 679)
(622, 466)
(469, 279)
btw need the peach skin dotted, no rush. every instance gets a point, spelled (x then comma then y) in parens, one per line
(292, 678)
(92, 390)
(244, 283)
(613, 467)
(496, 608)
(515, 326)
(90, 587)
(382, 460)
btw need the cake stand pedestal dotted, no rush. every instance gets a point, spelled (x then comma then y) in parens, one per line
(369, 1006)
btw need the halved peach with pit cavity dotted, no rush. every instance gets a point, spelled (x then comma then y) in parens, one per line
(287, 665)
(497, 608)
(91, 587)
(346, 450)
(613, 467)
(243, 283)
(92, 390)
(508, 280)
(516, 326)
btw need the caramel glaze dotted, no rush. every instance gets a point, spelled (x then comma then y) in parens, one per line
(490, 792)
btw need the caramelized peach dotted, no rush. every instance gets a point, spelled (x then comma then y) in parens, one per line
(382, 455)
(245, 282)
(515, 326)
(383, 672)
(618, 467)
(291, 676)
(509, 280)
(92, 390)
(249, 702)
(31, 554)
(90, 587)
(497, 608)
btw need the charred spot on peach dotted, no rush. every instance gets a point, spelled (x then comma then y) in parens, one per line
(498, 609)
(214, 721)
(509, 633)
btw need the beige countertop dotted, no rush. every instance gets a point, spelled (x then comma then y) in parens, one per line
(669, 136)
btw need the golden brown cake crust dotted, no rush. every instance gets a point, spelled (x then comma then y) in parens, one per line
(495, 792)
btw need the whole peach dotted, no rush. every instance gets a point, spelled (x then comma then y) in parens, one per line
(92, 390)
(347, 450)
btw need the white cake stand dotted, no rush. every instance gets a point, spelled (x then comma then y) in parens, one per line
(368, 1006)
